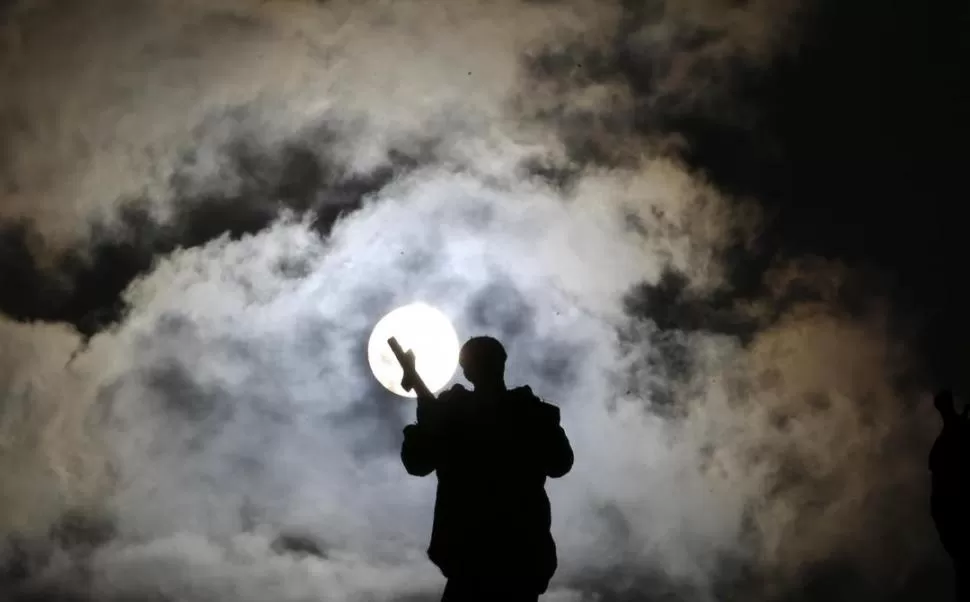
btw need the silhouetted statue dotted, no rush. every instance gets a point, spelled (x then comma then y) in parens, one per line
(949, 497)
(492, 449)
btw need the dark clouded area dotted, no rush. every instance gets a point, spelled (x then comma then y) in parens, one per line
(722, 236)
(83, 286)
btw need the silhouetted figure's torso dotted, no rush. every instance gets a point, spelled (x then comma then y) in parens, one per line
(950, 498)
(492, 454)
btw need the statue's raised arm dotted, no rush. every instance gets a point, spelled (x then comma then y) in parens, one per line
(419, 451)
(412, 380)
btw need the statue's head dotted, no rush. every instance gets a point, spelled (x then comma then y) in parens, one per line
(943, 401)
(482, 359)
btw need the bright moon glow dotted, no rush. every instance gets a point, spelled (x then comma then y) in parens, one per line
(422, 329)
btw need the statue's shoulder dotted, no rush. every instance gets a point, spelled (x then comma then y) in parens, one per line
(534, 404)
(524, 393)
(456, 392)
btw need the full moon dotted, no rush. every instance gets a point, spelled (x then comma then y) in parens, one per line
(422, 329)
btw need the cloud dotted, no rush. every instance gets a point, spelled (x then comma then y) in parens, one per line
(235, 192)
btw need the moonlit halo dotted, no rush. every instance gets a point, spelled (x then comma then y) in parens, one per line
(426, 331)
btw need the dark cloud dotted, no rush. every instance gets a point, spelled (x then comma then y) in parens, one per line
(671, 306)
(840, 127)
(83, 286)
(677, 71)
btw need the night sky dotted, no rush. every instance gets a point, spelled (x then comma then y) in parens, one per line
(724, 237)
(857, 150)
